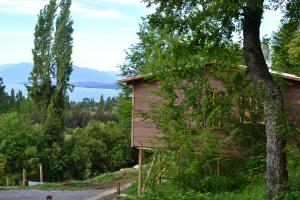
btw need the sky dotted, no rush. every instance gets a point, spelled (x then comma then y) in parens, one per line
(103, 30)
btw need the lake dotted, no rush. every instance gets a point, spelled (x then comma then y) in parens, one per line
(77, 95)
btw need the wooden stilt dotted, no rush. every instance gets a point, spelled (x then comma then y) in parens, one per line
(218, 167)
(41, 173)
(140, 170)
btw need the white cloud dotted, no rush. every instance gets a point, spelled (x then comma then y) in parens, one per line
(29, 7)
(130, 2)
(32, 7)
(86, 12)
(92, 36)
(129, 28)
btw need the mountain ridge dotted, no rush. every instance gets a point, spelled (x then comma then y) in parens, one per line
(81, 76)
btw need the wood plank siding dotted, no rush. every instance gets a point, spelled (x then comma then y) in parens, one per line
(144, 131)
(145, 98)
(291, 96)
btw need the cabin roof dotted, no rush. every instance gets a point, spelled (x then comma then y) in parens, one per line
(134, 79)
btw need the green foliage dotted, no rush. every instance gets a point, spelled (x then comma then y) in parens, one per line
(81, 161)
(31, 157)
(101, 105)
(40, 77)
(2, 168)
(294, 48)
(95, 149)
(182, 51)
(284, 41)
(18, 139)
(52, 60)
(52, 160)
(167, 192)
(9, 102)
(63, 44)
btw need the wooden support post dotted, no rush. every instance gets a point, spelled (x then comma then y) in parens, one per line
(24, 178)
(218, 167)
(7, 181)
(213, 104)
(119, 188)
(41, 173)
(140, 170)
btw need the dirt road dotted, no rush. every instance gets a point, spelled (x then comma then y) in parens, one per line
(32, 194)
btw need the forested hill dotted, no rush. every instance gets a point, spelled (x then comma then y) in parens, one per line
(81, 77)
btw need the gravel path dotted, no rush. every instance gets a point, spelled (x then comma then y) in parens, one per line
(32, 194)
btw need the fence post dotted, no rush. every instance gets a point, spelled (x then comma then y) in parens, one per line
(41, 173)
(7, 181)
(119, 188)
(24, 177)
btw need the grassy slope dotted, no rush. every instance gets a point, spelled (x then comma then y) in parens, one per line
(106, 180)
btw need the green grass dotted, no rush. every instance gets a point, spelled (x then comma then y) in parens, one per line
(106, 180)
(255, 191)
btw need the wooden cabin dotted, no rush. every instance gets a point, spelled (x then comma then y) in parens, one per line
(145, 134)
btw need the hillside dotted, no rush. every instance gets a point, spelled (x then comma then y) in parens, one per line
(81, 77)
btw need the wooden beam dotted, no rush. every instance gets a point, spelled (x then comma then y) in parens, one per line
(140, 170)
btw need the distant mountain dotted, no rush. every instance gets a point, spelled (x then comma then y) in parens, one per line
(81, 77)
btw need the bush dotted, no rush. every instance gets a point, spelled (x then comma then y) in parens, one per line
(169, 192)
(95, 149)
(2, 169)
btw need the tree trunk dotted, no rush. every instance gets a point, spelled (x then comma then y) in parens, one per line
(273, 102)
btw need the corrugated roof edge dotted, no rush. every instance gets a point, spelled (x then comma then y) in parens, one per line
(145, 76)
(282, 74)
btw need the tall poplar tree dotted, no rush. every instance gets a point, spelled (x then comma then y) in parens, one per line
(62, 52)
(101, 105)
(63, 49)
(52, 62)
(41, 88)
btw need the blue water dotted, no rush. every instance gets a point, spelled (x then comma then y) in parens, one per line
(77, 95)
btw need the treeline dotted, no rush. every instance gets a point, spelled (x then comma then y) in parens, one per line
(93, 141)
(9, 102)
(79, 114)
